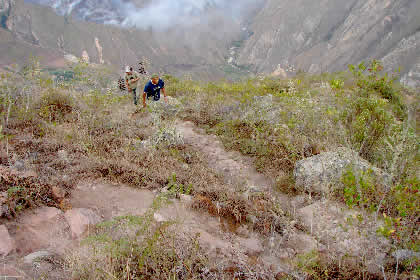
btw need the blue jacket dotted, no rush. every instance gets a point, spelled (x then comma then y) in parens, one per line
(154, 90)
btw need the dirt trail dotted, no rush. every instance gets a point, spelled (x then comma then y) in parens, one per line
(235, 167)
(111, 200)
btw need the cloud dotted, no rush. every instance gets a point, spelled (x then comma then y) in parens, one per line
(158, 14)
(164, 14)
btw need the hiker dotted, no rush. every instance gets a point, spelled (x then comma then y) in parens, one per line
(152, 89)
(131, 80)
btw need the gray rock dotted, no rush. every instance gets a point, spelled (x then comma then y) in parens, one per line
(159, 218)
(340, 231)
(42, 228)
(80, 219)
(36, 256)
(323, 173)
(19, 165)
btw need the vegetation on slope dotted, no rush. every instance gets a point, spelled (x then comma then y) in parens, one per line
(277, 122)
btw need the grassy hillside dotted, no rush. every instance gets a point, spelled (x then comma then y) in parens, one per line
(275, 121)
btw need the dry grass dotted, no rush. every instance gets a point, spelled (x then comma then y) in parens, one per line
(78, 131)
(24, 191)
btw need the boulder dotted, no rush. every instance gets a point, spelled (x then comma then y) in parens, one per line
(43, 228)
(36, 256)
(80, 219)
(323, 173)
(7, 244)
(19, 165)
(159, 218)
(344, 233)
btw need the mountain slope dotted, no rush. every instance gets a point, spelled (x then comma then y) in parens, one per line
(215, 38)
(178, 51)
(329, 34)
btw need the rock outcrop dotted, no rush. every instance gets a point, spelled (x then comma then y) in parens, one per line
(7, 244)
(36, 256)
(99, 50)
(45, 227)
(323, 173)
(19, 24)
(80, 219)
(85, 56)
(345, 234)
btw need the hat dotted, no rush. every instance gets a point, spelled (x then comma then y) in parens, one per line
(127, 69)
(155, 76)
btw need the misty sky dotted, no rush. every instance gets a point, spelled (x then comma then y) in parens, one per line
(166, 13)
(159, 14)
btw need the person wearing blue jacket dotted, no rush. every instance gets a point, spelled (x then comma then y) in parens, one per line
(152, 89)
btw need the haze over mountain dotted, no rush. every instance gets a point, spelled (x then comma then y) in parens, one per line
(160, 14)
(212, 38)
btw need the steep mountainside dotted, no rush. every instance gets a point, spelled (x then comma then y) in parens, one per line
(327, 35)
(210, 38)
(38, 29)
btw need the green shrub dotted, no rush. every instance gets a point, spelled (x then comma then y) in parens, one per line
(399, 206)
(337, 84)
(176, 189)
(361, 190)
(369, 81)
(368, 120)
(54, 105)
(403, 208)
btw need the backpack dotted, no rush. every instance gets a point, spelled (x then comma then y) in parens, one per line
(121, 84)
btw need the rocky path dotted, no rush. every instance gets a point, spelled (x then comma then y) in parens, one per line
(235, 167)
(52, 232)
